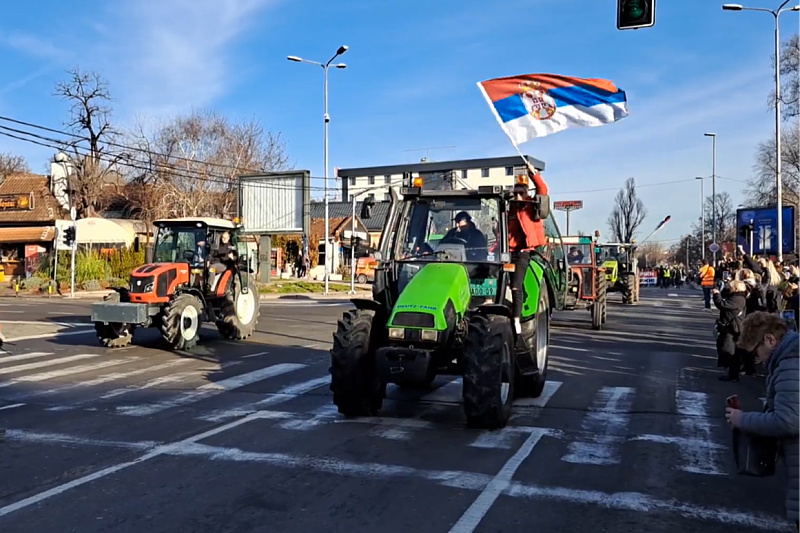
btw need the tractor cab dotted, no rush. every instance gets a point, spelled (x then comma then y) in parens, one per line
(622, 275)
(587, 280)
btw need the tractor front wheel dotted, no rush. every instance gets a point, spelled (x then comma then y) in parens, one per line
(488, 381)
(357, 390)
(628, 289)
(180, 321)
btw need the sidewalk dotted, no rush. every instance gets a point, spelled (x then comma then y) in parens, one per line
(99, 295)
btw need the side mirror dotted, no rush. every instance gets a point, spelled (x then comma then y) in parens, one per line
(562, 265)
(366, 208)
(136, 245)
(542, 203)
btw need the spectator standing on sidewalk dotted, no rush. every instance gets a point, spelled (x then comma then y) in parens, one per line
(731, 304)
(767, 335)
(706, 276)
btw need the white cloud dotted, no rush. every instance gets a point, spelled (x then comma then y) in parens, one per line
(169, 55)
(36, 46)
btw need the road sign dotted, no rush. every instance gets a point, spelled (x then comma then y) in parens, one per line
(714, 247)
(568, 205)
(275, 203)
(764, 237)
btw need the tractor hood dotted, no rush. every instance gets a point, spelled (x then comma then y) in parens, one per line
(434, 298)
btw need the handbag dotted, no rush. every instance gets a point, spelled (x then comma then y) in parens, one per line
(755, 455)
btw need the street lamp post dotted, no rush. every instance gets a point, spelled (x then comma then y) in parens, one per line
(713, 191)
(778, 184)
(327, 119)
(702, 218)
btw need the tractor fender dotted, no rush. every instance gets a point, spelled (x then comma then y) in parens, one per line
(200, 296)
(363, 304)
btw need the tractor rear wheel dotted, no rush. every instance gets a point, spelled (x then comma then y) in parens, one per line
(599, 312)
(357, 390)
(488, 381)
(239, 313)
(180, 321)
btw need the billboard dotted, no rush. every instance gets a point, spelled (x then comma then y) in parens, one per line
(273, 203)
(765, 229)
(568, 205)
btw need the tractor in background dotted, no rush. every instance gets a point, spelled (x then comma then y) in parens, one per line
(587, 279)
(183, 287)
(622, 271)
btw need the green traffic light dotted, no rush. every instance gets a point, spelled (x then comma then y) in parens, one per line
(634, 8)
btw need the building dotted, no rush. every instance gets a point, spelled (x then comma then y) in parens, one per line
(463, 174)
(340, 231)
(344, 210)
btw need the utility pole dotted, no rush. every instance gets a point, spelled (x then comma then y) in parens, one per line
(353, 249)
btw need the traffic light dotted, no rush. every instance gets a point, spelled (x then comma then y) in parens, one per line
(69, 235)
(745, 230)
(635, 14)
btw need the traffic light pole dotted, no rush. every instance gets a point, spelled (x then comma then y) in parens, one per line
(353, 249)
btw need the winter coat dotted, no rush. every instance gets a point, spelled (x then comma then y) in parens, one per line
(731, 311)
(780, 418)
(755, 298)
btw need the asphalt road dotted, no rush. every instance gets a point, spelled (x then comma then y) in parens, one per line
(237, 437)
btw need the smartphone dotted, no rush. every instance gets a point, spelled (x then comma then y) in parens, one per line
(733, 401)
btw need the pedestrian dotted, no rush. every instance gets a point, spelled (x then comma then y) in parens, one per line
(768, 336)
(731, 304)
(706, 276)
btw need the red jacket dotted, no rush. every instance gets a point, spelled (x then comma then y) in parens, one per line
(523, 232)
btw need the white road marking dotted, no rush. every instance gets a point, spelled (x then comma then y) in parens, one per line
(44, 376)
(49, 362)
(319, 416)
(49, 438)
(283, 395)
(550, 388)
(50, 335)
(500, 483)
(698, 455)
(255, 355)
(12, 406)
(209, 389)
(607, 422)
(23, 356)
(680, 441)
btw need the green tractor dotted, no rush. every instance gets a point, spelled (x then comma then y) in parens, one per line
(622, 273)
(446, 308)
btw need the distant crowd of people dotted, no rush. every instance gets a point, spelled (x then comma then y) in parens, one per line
(668, 277)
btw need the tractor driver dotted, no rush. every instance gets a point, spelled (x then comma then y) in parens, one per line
(524, 234)
(222, 253)
(474, 239)
(575, 256)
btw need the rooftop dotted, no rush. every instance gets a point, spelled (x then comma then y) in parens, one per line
(439, 166)
(45, 207)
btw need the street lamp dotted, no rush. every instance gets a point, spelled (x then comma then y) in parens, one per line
(327, 119)
(702, 218)
(713, 192)
(776, 13)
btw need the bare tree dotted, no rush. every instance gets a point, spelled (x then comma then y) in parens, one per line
(650, 254)
(628, 213)
(790, 78)
(194, 162)
(726, 218)
(92, 160)
(12, 164)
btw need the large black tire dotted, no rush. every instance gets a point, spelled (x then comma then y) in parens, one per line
(488, 381)
(628, 288)
(533, 385)
(599, 306)
(636, 284)
(602, 295)
(240, 314)
(357, 390)
(181, 320)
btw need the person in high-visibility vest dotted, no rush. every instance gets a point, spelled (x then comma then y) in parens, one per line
(707, 274)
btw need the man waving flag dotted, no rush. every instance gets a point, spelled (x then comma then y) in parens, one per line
(536, 105)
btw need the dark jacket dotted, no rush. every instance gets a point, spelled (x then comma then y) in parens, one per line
(731, 311)
(220, 252)
(780, 418)
(755, 298)
(476, 244)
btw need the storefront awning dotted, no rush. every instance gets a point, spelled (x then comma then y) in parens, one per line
(27, 235)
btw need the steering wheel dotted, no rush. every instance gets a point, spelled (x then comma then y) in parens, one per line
(453, 240)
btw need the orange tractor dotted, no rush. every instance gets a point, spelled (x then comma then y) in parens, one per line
(199, 274)
(587, 281)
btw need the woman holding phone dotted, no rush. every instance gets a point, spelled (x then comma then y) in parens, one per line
(774, 345)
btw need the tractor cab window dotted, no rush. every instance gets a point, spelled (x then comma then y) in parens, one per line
(452, 229)
(179, 244)
(579, 254)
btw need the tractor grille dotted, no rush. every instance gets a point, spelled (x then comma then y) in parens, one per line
(138, 284)
(414, 319)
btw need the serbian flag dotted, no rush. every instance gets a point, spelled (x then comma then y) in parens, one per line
(536, 105)
(661, 224)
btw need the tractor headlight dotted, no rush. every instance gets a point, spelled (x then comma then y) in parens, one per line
(429, 334)
(397, 333)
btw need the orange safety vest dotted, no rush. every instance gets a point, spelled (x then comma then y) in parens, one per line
(707, 276)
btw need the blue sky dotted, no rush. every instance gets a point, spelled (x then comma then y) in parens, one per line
(410, 82)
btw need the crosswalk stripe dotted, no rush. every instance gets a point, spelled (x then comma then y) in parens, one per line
(606, 422)
(44, 376)
(23, 357)
(209, 389)
(698, 456)
(49, 362)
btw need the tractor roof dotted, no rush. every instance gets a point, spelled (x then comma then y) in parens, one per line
(576, 239)
(205, 221)
(484, 191)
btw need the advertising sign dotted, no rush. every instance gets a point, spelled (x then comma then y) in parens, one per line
(568, 205)
(765, 229)
(16, 202)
